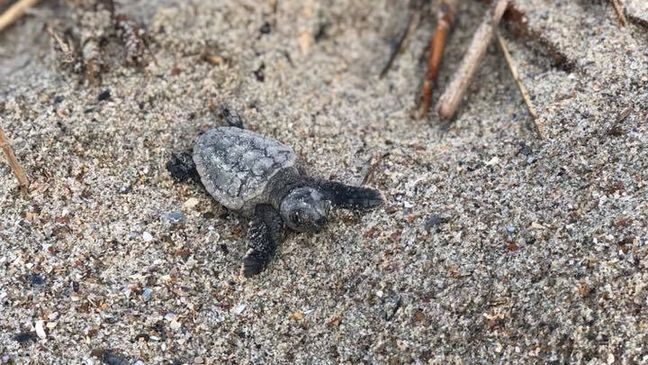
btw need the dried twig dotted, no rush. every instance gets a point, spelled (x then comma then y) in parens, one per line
(13, 163)
(69, 56)
(616, 130)
(372, 166)
(273, 5)
(618, 9)
(445, 19)
(92, 61)
(15, 12)
(449, 101)
(396, 48)
(413, 18)
(518, 80)
(623, 115)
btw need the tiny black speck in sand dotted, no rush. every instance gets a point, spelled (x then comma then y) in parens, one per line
(104, 95)
(265, 28)
(260, 73)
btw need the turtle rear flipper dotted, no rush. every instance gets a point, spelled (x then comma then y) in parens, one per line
(231, 117)
(264, 235)
(182, 167)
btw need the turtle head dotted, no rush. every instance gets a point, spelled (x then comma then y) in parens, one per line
(304, 209)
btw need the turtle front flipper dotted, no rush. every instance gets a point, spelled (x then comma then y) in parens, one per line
(350, 197)
(264, 235)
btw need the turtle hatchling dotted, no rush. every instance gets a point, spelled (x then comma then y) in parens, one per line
(260, 178)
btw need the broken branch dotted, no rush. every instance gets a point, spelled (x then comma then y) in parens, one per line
(13, 163)
(449, 101)
(618, 9)
(15, 12)
(445, 19)
(518, 80)
(415, 8)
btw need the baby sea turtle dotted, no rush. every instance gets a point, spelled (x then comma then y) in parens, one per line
(260, 178)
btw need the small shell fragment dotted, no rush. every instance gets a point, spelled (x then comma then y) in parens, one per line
(174, 325)
(238, 309)
(296, 316)
(190, 203)
(40, 329)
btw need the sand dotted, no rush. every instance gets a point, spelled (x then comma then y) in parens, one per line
(493, 246)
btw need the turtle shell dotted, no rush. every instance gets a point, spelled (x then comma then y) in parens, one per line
(235, 165)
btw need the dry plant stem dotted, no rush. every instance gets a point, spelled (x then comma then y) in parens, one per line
(449, 101)
(373, 165)
(618, 8)
(68, 51)
(399, 45)
(13, 163)
(15, 12)
(445, 19)
(624, 114)
(518, 80)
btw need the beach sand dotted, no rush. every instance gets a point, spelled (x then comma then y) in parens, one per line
(493, 246)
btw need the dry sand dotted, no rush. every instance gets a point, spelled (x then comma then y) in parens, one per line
(493, 246)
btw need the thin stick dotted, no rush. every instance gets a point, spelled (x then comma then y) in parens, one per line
(618, 8)
(273, 6)
(395, 50)
(520, 84)
(67, 50)
(445, 19)
(449, 101)
(13, 163)
(15, 12)
(624, 114)
(373, 163)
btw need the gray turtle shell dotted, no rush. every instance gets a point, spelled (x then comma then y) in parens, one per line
(235, 165)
